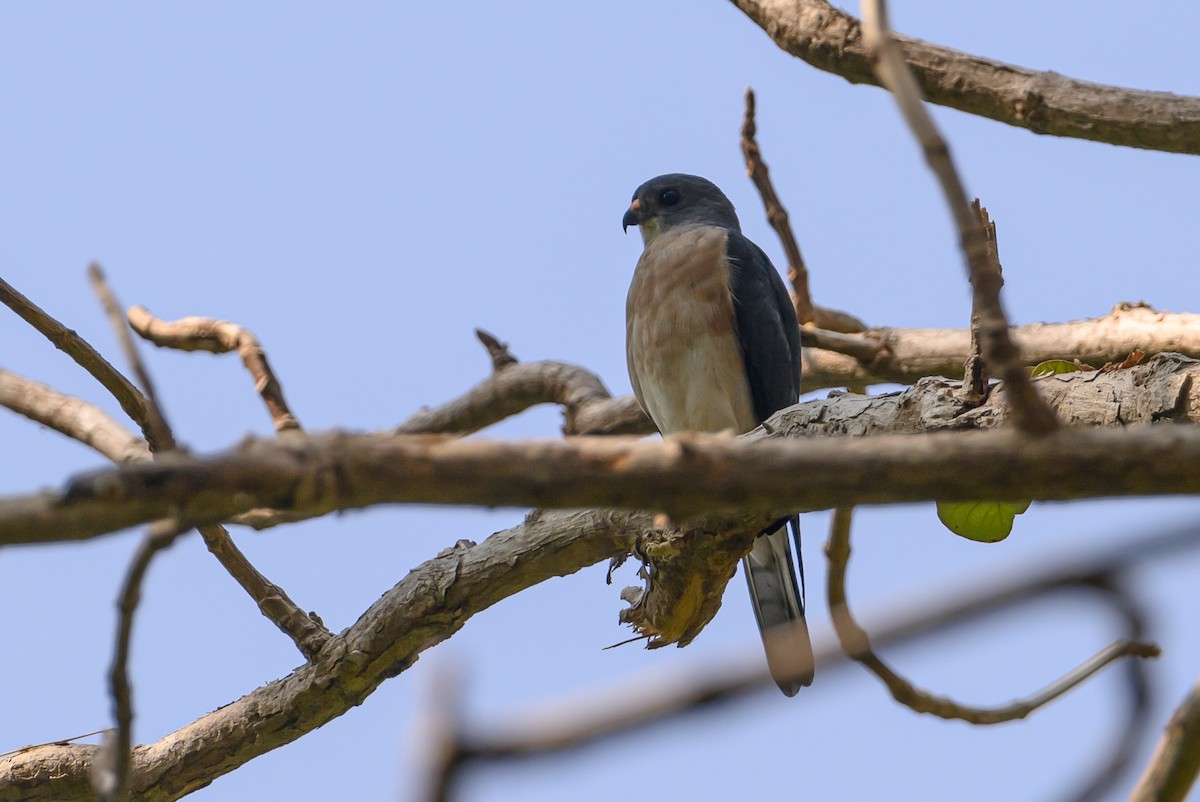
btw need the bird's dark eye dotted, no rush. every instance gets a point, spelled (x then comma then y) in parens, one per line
(668, 197)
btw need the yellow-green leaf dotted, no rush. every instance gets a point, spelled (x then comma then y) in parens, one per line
(982, 521)
(1051, 366)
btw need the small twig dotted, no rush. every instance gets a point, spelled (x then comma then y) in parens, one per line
(1176, 762)
(756, 168)
(1030, 412)
(856, 644)
(154, 422)
(498, 351)
(975, 371)
(219, 337)
(112, 781)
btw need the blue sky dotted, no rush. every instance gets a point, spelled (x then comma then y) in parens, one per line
(363, 186)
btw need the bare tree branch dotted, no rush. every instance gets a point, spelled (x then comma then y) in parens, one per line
(1176, 762)
(1030, 413)
(857, 646)
(1042, 102)
(74, 346)
(219, 337)
(429, 605)
(682, 475)
(74, 417)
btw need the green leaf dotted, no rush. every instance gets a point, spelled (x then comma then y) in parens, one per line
(981, 521)
(1052, 366)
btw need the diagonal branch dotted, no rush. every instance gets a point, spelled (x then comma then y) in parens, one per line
(857, 646)
(74, 346)
(777, 216)
(1042, 102)
(1030, 412)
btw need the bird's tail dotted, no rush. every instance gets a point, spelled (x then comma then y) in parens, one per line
(778, 600)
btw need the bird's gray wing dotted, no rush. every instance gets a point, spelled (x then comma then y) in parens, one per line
(770, 341)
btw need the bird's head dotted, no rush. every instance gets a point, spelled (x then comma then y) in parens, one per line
(678, 199)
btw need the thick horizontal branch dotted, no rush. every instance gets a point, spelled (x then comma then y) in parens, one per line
(426, 607)
(1042, 102)
(684, 475)
(906, 355)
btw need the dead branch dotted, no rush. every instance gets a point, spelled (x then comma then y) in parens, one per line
(1030, 413)
(1042, 102)
(219, 337)
(74, 346)
(857, 646)
(1176, 761)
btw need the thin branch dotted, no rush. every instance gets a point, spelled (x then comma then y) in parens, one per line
(74, 417)
(856, 644)
(777, 216)
(1176, 762)
(308, 633)
(74, 346)
(154, 423)
(219, 337)
(1030, 413)
(111, 776)
(1042, 102)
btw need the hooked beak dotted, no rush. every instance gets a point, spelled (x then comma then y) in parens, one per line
(633, 217)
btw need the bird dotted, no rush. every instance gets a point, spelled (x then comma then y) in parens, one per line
(713, 344)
